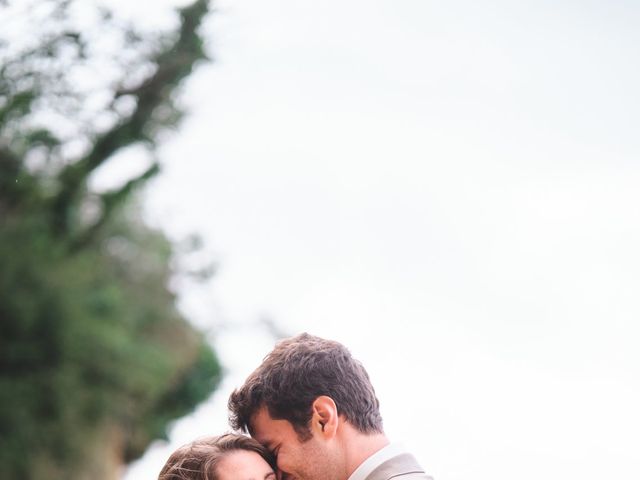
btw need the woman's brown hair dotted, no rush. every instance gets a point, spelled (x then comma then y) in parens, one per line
(197, 460)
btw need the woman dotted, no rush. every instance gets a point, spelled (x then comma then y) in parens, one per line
(227, 457)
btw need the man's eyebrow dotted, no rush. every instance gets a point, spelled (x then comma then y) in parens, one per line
(267, 443)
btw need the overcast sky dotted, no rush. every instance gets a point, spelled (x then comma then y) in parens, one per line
(448, 188)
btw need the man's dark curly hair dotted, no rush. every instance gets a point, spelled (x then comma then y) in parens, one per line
(294, 374)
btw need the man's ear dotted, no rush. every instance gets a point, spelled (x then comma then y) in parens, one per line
(324, 419)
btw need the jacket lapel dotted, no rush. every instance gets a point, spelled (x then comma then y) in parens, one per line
(394, 467)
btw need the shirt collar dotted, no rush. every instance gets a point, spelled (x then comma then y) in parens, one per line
(375, 460)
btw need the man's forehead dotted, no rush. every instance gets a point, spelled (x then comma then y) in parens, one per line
(261, 425)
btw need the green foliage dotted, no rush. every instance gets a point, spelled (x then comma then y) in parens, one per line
(94, 356)
(88, 339)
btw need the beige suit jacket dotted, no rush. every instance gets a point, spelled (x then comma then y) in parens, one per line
(400, 467)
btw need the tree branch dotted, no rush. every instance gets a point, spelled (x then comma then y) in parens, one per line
(174, 63)
(110, 202)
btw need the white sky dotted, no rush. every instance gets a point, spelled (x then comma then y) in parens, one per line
(450, 189)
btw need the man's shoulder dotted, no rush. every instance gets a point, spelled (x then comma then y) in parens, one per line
(403, 465)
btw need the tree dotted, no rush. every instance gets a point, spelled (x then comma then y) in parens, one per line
(95, 359)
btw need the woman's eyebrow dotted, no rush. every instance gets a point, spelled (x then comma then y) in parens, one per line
(270, 474)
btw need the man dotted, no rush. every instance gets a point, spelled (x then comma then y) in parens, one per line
(312, 404)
